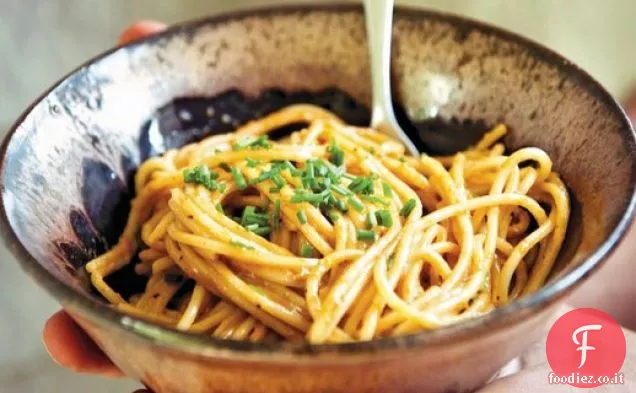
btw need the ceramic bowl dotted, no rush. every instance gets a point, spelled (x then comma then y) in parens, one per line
(68, 161)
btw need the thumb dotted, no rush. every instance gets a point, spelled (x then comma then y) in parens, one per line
(140, 30)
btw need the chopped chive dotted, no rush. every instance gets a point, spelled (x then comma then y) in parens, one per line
(299, 197)
(261, 141)
(301, 217)
(337, 155)
(333, 216)
(408, 207)
(222, 187)
(341, 205)
(247, 212)
(355, 203)
(252, 227)
(306, 251)
(201, 175)
(276, 215)
(386, 189)
(188, 175)
(274, 190)
(331, 200)
(355, 183)
(313, 184)
(279, 181)
(258, 218)
(238, 178)
(371, 220)
(292, 169)
(384, 218)
(261, 178)
(309, 197)
(340, 190)
(362, 185)
(309, 169)
(251, 163)
(243, 143)
(225, 167)
(365, 235)
(348, 176)
(374, 199)
(321, 170)
(219, 207)
(262, 231)
(212, 185)
(334, 173)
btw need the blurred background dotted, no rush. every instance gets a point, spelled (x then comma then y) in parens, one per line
(41, 40)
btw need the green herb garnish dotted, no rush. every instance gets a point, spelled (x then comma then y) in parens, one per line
(279, 181)
(201, 175)
(292, 169)
(253, 143)
(337, 155)
(374, 199)
(276, 215)
(262, 231)
(386, 189)
(301, 217)
(363, 184)
(371, 220)
(239, 179)
(384, 218)
(340, 190)
(408, 207)
(306, 251)
(252, 163)
(355, 203)
(365, 235)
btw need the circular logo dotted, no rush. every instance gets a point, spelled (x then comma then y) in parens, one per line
(586, 348)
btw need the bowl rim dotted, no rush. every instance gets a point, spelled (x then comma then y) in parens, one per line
(192, 344)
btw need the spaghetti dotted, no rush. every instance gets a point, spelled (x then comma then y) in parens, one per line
(333, 234)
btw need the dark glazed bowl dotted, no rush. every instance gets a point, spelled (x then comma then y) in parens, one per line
(67, 163)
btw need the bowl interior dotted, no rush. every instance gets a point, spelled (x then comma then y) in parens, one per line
(68, 164)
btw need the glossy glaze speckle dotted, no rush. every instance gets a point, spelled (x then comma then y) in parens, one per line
(67, 167)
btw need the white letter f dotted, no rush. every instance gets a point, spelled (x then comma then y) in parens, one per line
(583, 344)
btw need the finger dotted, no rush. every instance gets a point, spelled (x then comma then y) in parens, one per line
(630, 105)
(70, 347)
(140, 30)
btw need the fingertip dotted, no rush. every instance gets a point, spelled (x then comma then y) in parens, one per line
(70, 347)
(140, 30)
